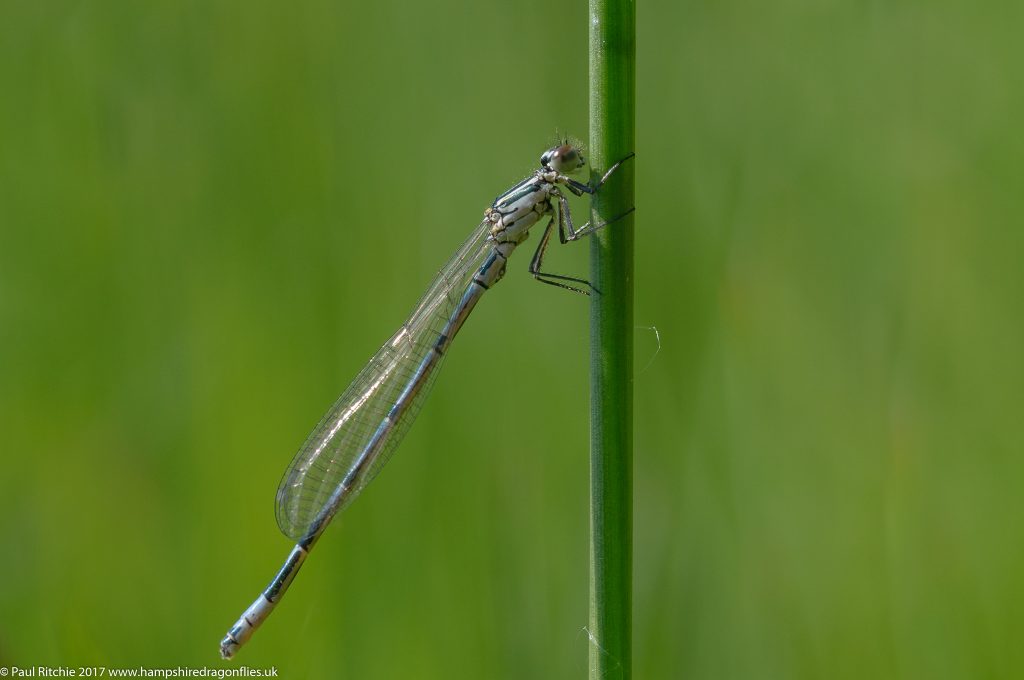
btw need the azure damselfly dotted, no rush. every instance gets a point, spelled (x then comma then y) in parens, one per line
(356, 437)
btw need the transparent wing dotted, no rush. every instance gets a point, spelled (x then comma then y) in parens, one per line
(343, 433)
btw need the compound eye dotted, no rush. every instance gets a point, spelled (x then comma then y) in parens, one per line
(549, 157)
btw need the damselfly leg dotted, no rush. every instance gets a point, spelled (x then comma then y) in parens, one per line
(538, 258)
(567, 233)
(579, 188)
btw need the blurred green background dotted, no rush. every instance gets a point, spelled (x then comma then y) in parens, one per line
(212, 214)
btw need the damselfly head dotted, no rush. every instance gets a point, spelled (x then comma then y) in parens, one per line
(564, 159)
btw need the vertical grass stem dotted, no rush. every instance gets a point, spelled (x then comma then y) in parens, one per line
(612, 137)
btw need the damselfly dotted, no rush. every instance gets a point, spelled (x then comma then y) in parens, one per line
(354, 440)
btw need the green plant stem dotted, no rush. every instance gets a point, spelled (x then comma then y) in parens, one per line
(612, 135)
